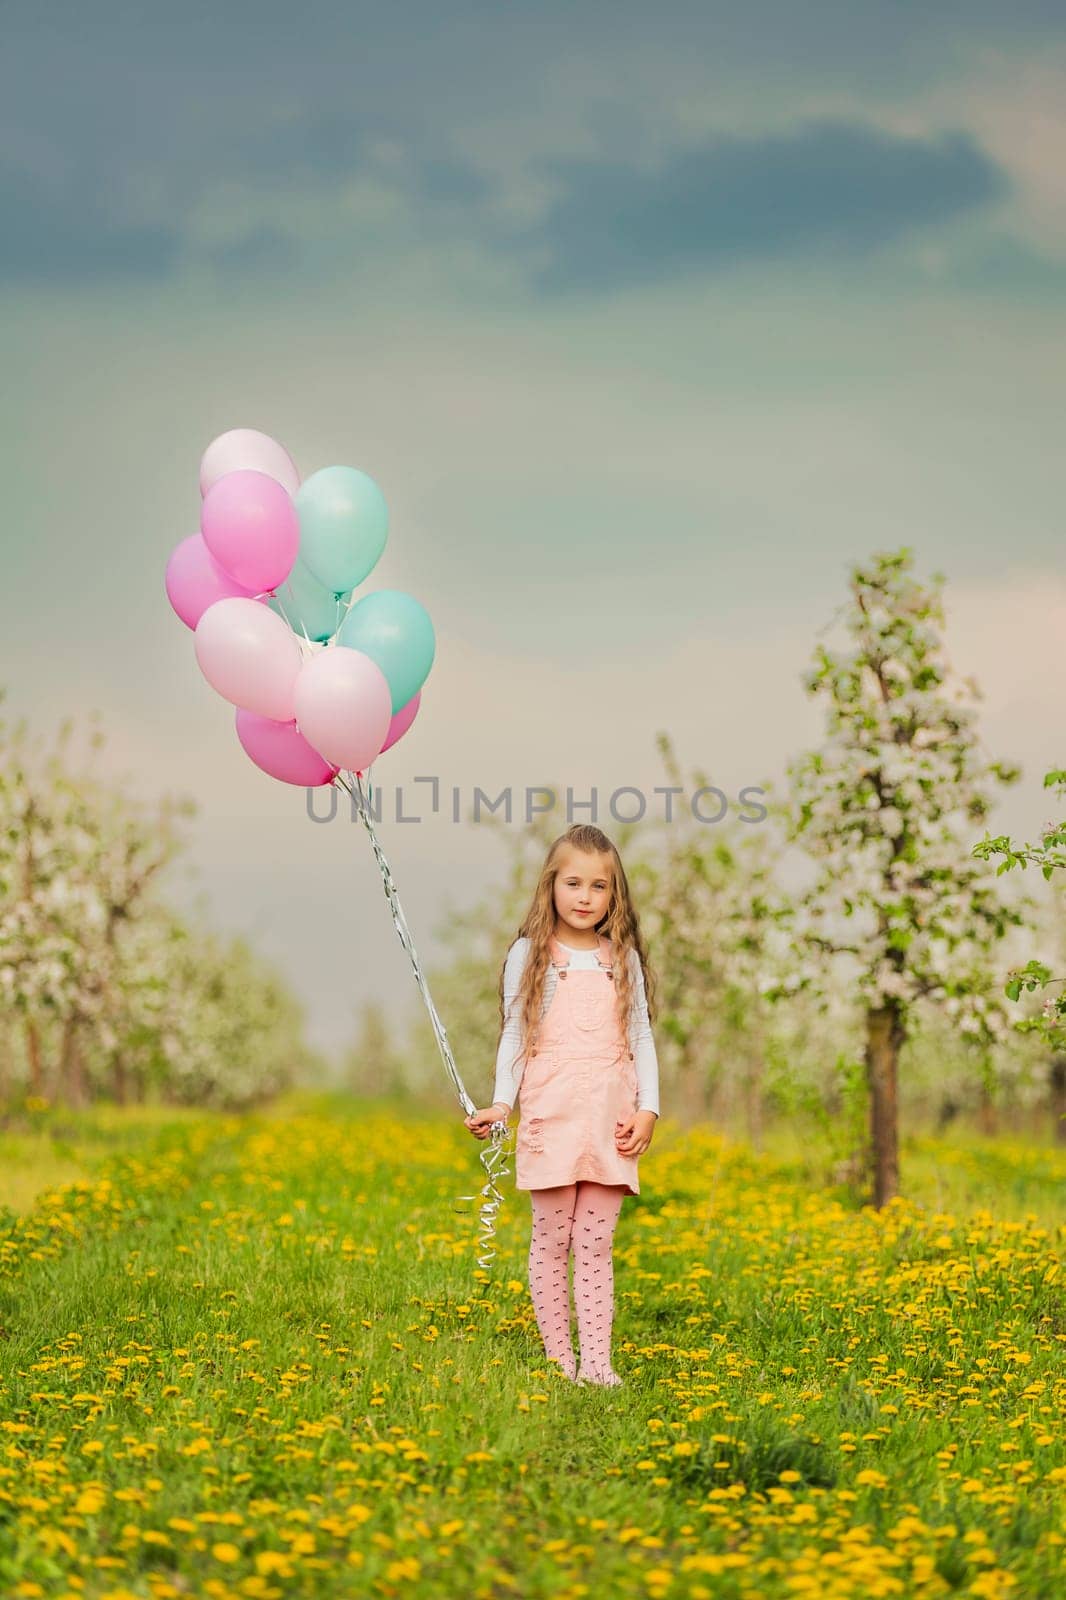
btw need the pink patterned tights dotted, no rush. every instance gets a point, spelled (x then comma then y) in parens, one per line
(582, 1216)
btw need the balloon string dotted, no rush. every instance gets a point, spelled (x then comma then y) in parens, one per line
(284, 613)
(274, 595)
(492, 1159)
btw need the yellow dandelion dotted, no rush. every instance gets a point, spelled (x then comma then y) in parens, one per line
(270, 1563)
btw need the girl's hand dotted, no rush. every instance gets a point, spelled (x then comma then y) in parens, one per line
(480, 1124)
(633, 1136)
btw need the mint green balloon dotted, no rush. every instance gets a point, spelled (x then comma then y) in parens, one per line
(344, 523)
(307, 605)
(394, 630)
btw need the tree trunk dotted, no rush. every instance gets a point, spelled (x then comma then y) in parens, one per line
(33, 1056)
(884, 1037)
(1057, 1097)
(987, 1120)
(693, 1089)
(753, 1103)
(119, 1084)
(72, 1065)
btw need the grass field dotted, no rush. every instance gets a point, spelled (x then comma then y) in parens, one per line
(255, 1356)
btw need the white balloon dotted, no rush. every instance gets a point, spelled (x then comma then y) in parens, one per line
(247, 450)
(249, 656)
(343, 706)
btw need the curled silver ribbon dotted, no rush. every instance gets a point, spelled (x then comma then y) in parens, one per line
(494, 1156)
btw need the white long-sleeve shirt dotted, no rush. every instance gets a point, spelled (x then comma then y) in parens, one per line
(508, 1067)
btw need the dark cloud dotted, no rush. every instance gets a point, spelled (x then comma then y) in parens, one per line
(447, 183)
(321, 146)
(264, 249)
(321, 149)
(829, 188)
(1003, 263)
(167, 108)
(69, 232)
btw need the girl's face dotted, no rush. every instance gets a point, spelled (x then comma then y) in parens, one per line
(582, 889)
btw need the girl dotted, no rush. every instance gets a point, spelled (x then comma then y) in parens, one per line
(576, 1034)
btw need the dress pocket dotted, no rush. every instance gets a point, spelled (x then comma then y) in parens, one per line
(588, 1009)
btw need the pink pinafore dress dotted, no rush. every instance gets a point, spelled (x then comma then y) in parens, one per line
(578, 1083)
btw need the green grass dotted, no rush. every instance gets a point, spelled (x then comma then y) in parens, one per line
(46, 1146)
(255, 1356)
(960, 1171)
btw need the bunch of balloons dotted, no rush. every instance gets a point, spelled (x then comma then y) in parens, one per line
(321, 684)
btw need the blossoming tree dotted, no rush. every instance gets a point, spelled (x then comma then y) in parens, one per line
(1050, 1023)
(104, 989)
(884, 808)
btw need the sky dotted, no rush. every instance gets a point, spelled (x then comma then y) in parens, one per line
(648, 321)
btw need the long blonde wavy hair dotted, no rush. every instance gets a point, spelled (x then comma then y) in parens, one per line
(620, 923)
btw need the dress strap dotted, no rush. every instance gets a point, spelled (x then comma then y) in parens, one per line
(561, 956)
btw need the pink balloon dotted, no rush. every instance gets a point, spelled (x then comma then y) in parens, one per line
(252, 529)
(195, 580)
(280, 750)
(343, 706)
(401, 721)
(247, 450)
(250, 656)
